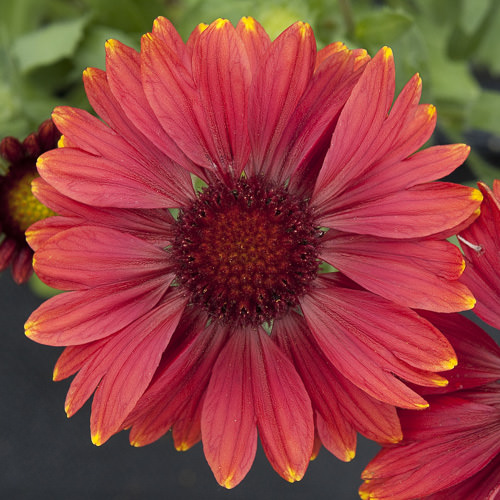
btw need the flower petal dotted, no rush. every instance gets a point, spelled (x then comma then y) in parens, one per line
(221, 72)
(341, 441)
(457, 451)
(478, 354)
(142, 130)
(282, 407)
(88, 256)
(337, 434)
(255, 39)
(173, 97)
(383, 178)
(165, 30)
(341, 404)
(481, 245)
(417, 274)
(366, 338)
(131, 365)
(484, 485)
(186, 431)
(74, 358)
(87, 315)
(39, 232)
(86, 132)
(192, 41)
(123, 72)
(308, 133)
(358, 127)
(228, 421)
(95, 359)
(21, 264)
(8, 248)
(417, 212)
(181, 382)
(276, 89)
(103, 182)
(154, 225)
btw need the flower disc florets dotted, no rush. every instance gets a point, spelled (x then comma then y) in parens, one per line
(19, 206)
(246, 253)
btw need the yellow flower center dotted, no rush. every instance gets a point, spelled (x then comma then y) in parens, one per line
(22, 206)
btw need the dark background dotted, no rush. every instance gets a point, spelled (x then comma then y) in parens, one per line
(43, 454)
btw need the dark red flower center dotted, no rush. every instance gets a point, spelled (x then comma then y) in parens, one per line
(247, 253)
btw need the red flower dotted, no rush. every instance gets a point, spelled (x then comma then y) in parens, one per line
(215, 322)
(452, 449)
(18, 207)
(481, 246)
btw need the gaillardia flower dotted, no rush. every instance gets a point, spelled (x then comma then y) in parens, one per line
(452, 449)
(481, 245)
(206, 310)
(18, 207)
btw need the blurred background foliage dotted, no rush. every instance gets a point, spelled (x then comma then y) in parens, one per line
(454, 45)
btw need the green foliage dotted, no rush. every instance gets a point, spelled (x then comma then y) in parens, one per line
(49, 44)
(46, 44)
(381, 27)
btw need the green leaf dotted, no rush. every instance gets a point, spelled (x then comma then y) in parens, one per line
(206, 11)
(40, 288)
(91, 51)
(381, 27)
(451, 80)
(19, 16)
(485, 112)
(487, 53)
(472, 14)
(483, 170)
(277, 16)
(12, 119)
(49, 44)
(133, 16)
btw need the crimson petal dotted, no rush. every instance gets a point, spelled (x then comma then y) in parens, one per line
(221, 72)
(367, 337)
(481, 246)
(417, 274)
(88, 256)
(282, 407)
(228, 420)
(132, 362)
(180, 384)
(276, 89)
(86, 315)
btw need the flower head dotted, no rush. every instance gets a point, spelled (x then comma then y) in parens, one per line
(206, 311)
(481, 245)
(18, 207)
(452, 449)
